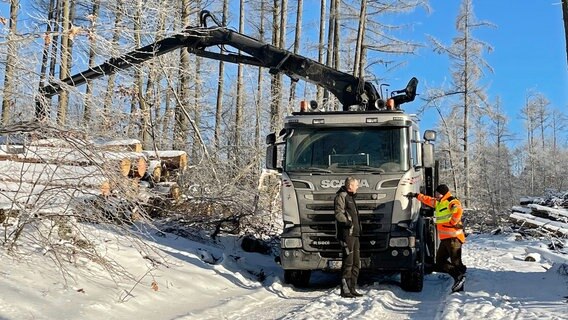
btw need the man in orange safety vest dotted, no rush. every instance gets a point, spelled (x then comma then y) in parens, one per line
(448, 216)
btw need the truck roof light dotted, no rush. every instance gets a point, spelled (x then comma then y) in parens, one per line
(318, 121)
(303, 106)
(390, 104)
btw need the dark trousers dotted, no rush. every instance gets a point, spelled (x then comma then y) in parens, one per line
(351, 262)
(449, 258)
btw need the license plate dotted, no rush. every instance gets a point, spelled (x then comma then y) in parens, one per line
(334, 264)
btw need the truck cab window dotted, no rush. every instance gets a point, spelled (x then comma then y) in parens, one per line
(347, 149)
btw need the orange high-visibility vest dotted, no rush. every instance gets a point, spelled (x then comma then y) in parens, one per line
(448, 213)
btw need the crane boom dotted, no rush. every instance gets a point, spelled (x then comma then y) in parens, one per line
(349, 90)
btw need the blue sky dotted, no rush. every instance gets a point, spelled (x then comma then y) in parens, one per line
(528, 42)
(528, 52)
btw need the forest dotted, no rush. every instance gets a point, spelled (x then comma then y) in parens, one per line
(219, 113)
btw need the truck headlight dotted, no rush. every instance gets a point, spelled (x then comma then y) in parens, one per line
(291, 243)
(398, 242)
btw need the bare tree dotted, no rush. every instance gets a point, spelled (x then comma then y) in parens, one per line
(276, 79)
(181, 124)
(11, 56)
(357, 66)
(467, 69)
(565, 17)
(260, 80)
(92, 36)
(297, 36)
(107, 104)
(321, 47)
(65, 58)
(220, 90)
(328, 100)
(240, 91)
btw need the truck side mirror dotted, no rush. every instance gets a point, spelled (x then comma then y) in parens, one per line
(430, 135)
(428, 155)
(272, 158)
(271, 139)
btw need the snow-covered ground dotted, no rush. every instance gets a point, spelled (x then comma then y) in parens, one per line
(183, 279)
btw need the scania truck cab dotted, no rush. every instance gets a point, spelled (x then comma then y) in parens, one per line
(315, 152)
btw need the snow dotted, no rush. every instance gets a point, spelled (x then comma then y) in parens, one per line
(178, 278)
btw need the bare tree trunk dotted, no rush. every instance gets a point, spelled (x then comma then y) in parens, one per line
(11, 57)
(220, 90)
(276, 79)
(152, 94)
(64, 66)
(321, 47)
(357, 65)
(107, 104)
(240, 91)
(565, 17)
(143, 116)
(259, 85)
(466, 111)
(282, 44)
(297, 35)
(198, 93)
(166, 120)
(58, 16)
(181, 125)
(336, 33)
(327, 99)
(92, 63)
(42, 111)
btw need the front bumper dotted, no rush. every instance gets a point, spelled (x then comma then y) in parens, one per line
(392, 259)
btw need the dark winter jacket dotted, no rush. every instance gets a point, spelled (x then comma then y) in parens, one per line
(346, 209)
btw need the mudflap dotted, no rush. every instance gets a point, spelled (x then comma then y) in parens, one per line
(297, 278)
(413, 280)
(431, 242)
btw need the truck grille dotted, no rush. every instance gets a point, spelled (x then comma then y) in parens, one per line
(318, 224)
(319, 233)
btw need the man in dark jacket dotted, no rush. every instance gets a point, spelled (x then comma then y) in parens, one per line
(348, 232)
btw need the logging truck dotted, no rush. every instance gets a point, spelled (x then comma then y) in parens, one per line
(371, 139)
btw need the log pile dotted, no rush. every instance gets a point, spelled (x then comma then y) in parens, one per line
(550, 214)
(52, 172)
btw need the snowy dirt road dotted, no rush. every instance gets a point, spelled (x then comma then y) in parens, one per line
(220, 281)
(500, 285)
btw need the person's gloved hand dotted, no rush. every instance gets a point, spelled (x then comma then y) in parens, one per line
(348, 224)
(411, 195)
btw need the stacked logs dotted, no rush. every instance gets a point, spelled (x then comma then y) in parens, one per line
(93, 168)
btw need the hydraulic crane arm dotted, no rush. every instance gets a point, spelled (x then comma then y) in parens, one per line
(349, 90)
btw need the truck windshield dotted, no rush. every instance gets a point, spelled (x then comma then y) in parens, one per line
(347, 150)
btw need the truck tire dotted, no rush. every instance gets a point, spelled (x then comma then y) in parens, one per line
(413, 280)
(431, 243)
(297, 278)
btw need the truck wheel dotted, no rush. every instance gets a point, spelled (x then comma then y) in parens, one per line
(430, 238)
(412, 280)
(297, 278)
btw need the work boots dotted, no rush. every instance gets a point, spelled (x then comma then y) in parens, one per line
(459, 282)
(353, 287)
(345, 289)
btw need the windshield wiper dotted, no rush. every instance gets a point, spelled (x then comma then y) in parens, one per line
(310, 169)
(364, 168)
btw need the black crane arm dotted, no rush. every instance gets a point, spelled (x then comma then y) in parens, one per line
(349, 90)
